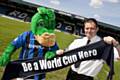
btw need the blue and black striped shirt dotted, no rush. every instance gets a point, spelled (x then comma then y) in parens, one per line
(30, 47)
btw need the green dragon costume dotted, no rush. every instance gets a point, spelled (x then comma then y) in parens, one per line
(39, 42)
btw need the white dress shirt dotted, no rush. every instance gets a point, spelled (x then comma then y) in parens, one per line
(89, 67)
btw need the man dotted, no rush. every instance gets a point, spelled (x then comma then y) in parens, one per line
(87, 70)
(39, 42)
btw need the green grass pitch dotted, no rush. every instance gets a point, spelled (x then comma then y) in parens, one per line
(9, 29)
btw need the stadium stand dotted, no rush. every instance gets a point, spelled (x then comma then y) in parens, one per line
(66, 22)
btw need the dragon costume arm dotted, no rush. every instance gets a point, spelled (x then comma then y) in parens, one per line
(5, 58)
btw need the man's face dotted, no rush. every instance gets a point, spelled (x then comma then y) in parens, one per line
(90, 29)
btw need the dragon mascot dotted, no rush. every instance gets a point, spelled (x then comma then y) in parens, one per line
(38, 42)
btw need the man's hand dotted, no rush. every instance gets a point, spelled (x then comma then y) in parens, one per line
(59, 52)
(111, 40)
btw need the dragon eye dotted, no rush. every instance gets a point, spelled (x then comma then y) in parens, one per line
(40, 24)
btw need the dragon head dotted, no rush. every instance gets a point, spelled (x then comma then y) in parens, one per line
(43, 26)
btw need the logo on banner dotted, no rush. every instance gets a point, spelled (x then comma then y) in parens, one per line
(57, 62)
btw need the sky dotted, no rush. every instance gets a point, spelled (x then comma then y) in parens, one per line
(107, 11)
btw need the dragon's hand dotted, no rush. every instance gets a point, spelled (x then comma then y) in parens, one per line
(49, 55)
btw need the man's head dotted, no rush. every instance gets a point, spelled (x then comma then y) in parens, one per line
(90, 27)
